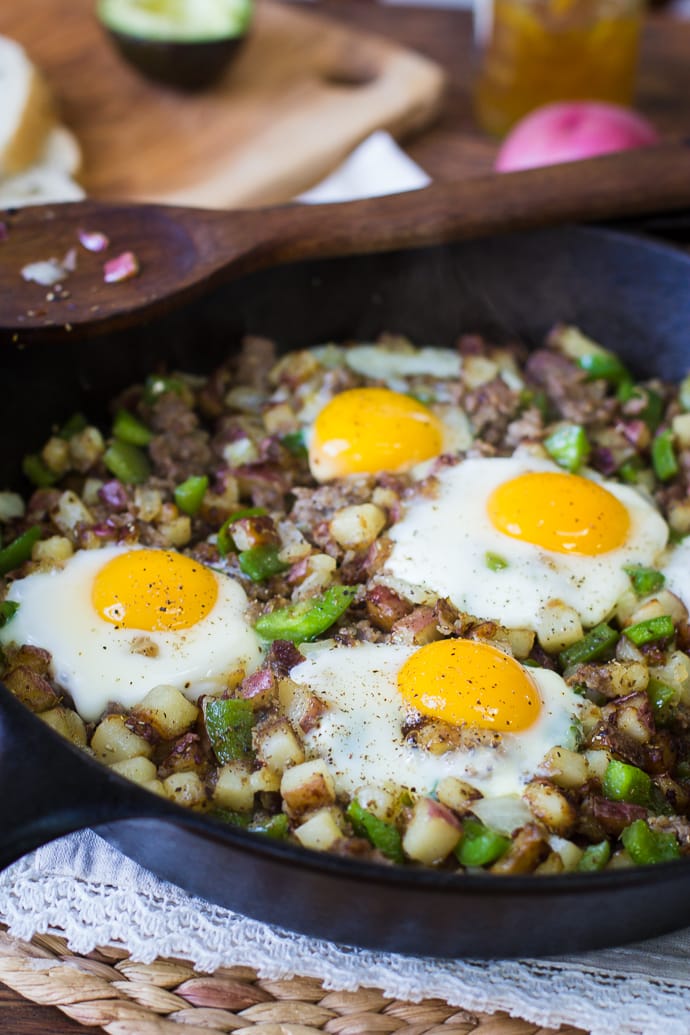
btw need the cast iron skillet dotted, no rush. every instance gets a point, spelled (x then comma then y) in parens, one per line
(632, 294)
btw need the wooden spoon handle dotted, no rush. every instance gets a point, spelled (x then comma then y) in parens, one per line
(650, 180)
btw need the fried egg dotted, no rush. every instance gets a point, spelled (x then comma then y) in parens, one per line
(511, 716)
(506, 536)
(121, 620)
(676, 571)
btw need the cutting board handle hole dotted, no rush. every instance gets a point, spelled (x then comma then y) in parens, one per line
(350, 71)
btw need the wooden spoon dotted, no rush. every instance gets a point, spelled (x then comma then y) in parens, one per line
(183, 252)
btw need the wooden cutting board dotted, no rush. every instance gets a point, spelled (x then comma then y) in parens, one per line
(304, 91)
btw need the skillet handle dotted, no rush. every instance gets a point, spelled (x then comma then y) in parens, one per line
(51, 788)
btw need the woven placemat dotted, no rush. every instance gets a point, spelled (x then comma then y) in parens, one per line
(108, 990)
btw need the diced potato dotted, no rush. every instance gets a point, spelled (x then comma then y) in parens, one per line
(185, 789)
(681, 429)
(168, 711)
(319, 575)
(320, 831)
(569, 852)
(175, 531)
(68, 723)
(86, 448)
(631, 722)
(550, 806)
(264, 781)
(240, 451)
(156, 787)
(478, 370)
(597, 763)
(520, 642)
(679, 516)
(233, 788)
(432, 832)
(675, 673)
(279, 419)
(278, 746)
(294, 547)
(138, 770)
(70, 512)
(31, 687)
(112, 741)
(552, 864)
(55, 455)
(382, 802)
(565, 768)
(356, 527)
(527, 850)
(573, 343)
(90, 491)
(308, 786)
(456, 794)
(11, 506)
(558, 626)
(147, 503)
(662, 603)
(51, 552)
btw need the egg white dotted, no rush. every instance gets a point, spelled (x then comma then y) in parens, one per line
(440, 546)
(360, 733)
(98, 662)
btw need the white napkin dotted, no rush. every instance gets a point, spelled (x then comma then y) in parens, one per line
(82, 888)
(377, 167)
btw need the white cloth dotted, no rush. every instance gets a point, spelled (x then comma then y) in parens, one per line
(82, 888)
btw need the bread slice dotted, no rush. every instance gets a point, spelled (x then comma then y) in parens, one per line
(26, 112)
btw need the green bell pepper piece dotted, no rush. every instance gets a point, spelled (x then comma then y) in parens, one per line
(664, 459)
(8, 609)
(189, 494)
(653, 629)
(568, 446)
(276, 827)
(591, 647)
(305, 620)
(225, 542)
(380, 834)
(479, 844)
(128, 428)
(645, 580)
(603, 365)
(663, 700)
(623, 782)
(127, 462)
(19, 550)
(294, 443)
(594, 857)
(37, 471)
(229, 723)
(261, 562)
(646, 846)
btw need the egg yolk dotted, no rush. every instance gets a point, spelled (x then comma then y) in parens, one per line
(564, 513)
(367, 430)
(465, 682)
(154, 591)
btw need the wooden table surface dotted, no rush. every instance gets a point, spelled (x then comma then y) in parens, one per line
(452, 149)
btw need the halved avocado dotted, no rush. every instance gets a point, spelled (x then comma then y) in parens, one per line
(182, 43)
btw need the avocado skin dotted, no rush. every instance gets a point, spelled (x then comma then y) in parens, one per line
(186, 65)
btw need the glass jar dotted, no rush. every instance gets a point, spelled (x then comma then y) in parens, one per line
(538, 51)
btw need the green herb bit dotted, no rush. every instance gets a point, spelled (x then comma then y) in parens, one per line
(38, 472)
(73, 425)
(654, 629)
(294, 443)
(591, 647)
(653, 409)
(261, 562)
(495, 562)
(189, 495)
(568, 446)
(603, 365)
(307, 619)
(684, 393)
(229, 723)
(663, 700)
(623, 782)
(380, 834)
(480, 845)
(19, 550)
(664, 459)
(645, 580)
(594, 857)
(127, 462)
(276, 827)
(8, 609)
(647, 847)
(156, 386)
(128, 428)
(225, 542)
